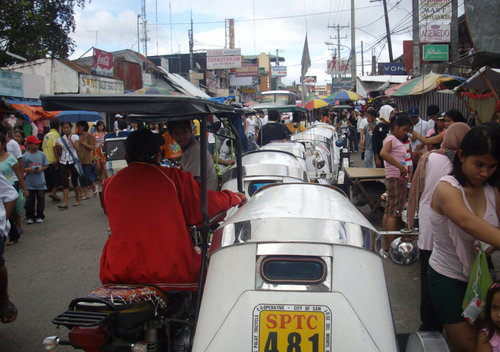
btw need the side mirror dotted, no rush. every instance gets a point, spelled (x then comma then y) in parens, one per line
(404, 251)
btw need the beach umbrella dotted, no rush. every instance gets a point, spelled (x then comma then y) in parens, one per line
(316, 104)
(424, 84)
(345, 95)
(76, 115)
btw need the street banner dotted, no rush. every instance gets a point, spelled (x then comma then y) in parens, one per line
(435, 33)
(100, 85)
(102, 63)
(306, 59)
(278, 71)
(247, 70)
(435, 52)
(341, 83)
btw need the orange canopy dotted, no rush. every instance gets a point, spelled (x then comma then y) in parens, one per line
(33, 112)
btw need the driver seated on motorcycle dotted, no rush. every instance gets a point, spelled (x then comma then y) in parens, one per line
(149, 209)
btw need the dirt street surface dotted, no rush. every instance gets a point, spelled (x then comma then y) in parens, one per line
(59, 260)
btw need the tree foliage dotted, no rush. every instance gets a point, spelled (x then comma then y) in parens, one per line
(36, 29)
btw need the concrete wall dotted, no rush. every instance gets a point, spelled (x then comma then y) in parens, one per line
(58, 77)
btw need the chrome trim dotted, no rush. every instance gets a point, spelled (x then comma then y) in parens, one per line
(292, 147)
(306, 249)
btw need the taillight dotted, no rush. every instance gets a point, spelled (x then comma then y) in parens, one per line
(91, 339)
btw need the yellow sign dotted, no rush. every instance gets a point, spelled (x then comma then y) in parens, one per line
(281, 328)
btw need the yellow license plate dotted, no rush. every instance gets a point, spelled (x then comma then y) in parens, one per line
(291, 328)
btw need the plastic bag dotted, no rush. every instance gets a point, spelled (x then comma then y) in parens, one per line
(477, 288)
(20, 203)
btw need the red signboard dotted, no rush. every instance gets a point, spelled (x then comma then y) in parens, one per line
(102, 64)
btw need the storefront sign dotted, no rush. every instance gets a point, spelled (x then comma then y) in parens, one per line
(435, 33)
(223, 62)
(247, 70)
(100, 85)
(434, 11)
(224, 52)
(278, 71)
(391, 68)
(435, 53)
(102, 63)
(231, 33)
(337, 67)
(11, 84)
(342, 83)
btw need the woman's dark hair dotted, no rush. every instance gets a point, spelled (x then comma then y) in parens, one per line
(296, 117)
(181, 123)
(100, 123)
(3, 140)
(481, 140)
(488, 323)
(432, 110)
(455, 115)
(401, 119)
(21, 132)
(67, 123)
(84, 125)
(54, 124)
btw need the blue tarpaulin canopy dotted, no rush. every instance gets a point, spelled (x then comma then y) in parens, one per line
(77, 115)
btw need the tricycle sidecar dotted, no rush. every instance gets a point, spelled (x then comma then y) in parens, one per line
(261, 167)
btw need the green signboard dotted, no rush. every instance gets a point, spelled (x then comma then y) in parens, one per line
(436, 52)
(262, 71)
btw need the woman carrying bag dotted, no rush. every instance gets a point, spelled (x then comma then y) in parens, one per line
(66, 147)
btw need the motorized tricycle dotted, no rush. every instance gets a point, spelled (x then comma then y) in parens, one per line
(286, 272)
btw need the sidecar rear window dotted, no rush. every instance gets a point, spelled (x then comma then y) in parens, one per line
(293, 270)
(256, 185)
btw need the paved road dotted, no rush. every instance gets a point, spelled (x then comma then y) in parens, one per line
(59, 260)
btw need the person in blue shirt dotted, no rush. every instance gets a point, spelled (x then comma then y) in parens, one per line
(35, 163)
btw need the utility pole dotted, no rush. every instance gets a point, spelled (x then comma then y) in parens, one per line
(388, 30)
(374, 63)
(338, 37)
(416, 39)
(362, 60)
(145, 28)
(138, 34)
(353, 44)
(191, 44)
(454, 31)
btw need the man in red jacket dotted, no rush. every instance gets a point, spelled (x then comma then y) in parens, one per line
(149, 209)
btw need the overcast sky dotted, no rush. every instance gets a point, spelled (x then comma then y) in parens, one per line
(260, 26)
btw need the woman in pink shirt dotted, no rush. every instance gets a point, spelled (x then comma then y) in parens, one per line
(393, 153)
(465, 207)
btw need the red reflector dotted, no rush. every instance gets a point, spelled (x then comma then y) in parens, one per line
(89, 338)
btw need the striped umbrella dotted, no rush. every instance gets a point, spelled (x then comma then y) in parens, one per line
(345, 95)
(424, 84)
(316, 104)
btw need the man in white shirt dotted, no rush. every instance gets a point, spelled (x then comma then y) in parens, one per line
(420, 126)
(8, 196)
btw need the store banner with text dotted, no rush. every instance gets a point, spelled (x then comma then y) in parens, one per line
(102, 63)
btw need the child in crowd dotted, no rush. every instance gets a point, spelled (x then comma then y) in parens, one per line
(394, 153)
(489, 338)
(35, 163)
(19, 138)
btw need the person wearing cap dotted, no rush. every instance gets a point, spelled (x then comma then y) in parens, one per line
(420, 126)
(386, 113)
(149, 208)
(35, 163)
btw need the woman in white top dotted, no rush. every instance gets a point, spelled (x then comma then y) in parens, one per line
(66, 147)
(465, 207)
(250, 131)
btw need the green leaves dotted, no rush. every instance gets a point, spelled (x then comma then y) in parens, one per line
(37, 28)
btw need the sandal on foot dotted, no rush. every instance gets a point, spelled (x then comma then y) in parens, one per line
(62, 206)
(76, 204)
(54, 198)
(8, 312)
(84, 197)
(10, 243)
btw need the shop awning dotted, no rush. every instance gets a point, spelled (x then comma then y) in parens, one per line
(29, 110)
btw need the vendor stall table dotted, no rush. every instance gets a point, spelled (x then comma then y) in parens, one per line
(359, 175)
